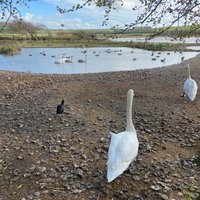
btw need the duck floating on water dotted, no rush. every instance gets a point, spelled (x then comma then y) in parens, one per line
(83, 61)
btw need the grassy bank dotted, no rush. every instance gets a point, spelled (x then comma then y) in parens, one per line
(91, 43)
(11, 36)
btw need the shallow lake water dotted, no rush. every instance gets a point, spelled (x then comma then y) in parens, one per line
(160, 39)
(42, 60)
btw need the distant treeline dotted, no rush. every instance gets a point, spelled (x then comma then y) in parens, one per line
(30, 31)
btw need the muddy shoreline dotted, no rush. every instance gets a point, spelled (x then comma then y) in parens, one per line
(48, 156)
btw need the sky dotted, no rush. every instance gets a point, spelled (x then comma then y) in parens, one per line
(90, 17)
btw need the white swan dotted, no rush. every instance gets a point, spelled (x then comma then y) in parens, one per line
(123, 147)
(190, 86)
(61, 60)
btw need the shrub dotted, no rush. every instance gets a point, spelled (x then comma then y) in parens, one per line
(8, 50)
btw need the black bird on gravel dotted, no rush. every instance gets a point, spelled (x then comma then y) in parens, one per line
(60, 108)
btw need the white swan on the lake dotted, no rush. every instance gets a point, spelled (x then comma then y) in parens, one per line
(61, 60)
(123, 147)
(190, 86)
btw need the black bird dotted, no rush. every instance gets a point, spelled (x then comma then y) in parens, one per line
(60, 108)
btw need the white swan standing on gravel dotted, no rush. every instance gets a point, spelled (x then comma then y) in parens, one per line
(123, 147)
(190, 86)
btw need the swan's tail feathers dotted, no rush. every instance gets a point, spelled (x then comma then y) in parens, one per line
(111, 177)
(113, 174)
(114, 171)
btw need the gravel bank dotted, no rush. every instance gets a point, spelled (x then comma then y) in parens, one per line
(47, 156)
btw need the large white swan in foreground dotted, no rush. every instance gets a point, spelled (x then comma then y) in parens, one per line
(123, 147)
(190, 86)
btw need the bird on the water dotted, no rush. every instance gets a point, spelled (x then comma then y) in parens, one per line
(123, 147)
(60, 108)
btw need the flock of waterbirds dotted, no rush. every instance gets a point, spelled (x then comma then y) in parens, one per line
(123, 148)
(62, 58)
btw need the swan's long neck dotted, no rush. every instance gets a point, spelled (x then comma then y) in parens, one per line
(189, 76)
(129, 123)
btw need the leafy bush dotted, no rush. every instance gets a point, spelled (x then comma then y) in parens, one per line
(8, 50)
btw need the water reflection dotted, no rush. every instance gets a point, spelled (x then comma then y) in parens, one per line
(196, 48)
(192, 40)
(43, 60)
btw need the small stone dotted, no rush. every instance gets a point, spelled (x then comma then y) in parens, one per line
(77, 191)
(42, 185)
(137, 196)
(180, 194)
(64, 149)
(29, 197)
(37, 194)
(1, 167)
(191, 140)
(42, 169)
(20, 157)
(84, 156)
(54, 149)
(27, 175)
(155, 187)
(166, 189)
(164, 196)
(168, 180)
(79, 172)
(136, 178)
(45, 191)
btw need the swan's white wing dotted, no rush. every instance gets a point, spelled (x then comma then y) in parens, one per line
(122, 150)
(190, 88)
(122, 147)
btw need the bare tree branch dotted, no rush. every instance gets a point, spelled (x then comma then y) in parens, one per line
(161, 15)
(155, 13)
(11, 10)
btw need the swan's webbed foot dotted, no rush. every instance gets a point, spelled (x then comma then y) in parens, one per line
(182, 95)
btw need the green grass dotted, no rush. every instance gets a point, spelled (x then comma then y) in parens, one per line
(159, 46)
(9, 50)
(91, 43)
(77, 38)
